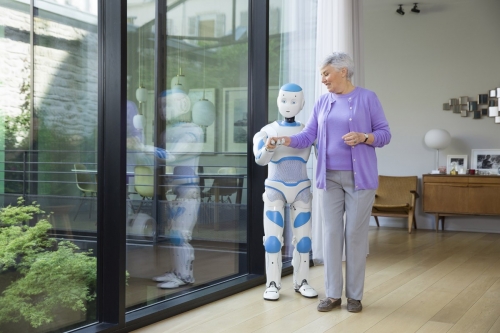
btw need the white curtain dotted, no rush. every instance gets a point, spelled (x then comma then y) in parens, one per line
(339, 28)
(299, 49)
(298, 61)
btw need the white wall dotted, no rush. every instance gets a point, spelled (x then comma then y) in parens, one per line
(417, 62)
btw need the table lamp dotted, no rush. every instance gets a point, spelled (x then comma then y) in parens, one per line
(437, 139)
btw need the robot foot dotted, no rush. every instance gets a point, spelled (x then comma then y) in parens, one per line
(165, 277)
(272, 292)
(169, 281)
(306, 290)
(172, 284)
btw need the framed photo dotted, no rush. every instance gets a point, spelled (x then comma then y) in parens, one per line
(194, 96)
(486, 160)
(482, 99)
(235, 122)
(460, 161)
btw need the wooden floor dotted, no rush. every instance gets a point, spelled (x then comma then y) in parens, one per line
(420, 282)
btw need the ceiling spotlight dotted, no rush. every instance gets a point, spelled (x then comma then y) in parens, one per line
(400, 10)
(415, 9)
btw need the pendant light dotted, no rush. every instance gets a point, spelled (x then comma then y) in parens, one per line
(203, 111)
(179, 81)
(141, 93)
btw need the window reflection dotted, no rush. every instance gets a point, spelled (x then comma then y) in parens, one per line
(48, 126)
(190, 230)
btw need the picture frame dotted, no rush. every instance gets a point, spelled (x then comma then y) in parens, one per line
(234, 106)
(461, 161)
(210, 94)
(486, 160)
(235, 125)
(482, 99)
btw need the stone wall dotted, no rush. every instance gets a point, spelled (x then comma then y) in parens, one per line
(65, 74)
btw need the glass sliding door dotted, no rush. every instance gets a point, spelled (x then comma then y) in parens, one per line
(48, 75)
(187, 147)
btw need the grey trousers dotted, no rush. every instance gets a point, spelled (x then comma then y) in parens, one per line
(338, 197)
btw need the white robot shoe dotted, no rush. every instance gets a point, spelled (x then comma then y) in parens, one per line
(272, 292)
(306, 290)
(165, 277)
(174, 282)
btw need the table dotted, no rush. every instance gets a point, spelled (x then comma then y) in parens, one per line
(240, 177)
(220, 181)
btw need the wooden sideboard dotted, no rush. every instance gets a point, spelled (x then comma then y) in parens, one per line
(447, 195)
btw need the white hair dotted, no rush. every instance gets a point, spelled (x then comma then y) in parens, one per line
(339, 60)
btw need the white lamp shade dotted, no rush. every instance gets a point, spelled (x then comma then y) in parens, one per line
(203, 113)
(437, 138)
(179, 82)
(141, 94)
(138, 121)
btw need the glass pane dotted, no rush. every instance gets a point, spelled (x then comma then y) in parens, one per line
(187, 223)
(52, 286)
(292, 59)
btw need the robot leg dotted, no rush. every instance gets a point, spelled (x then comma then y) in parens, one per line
(300, 214)
(183, 211)
(182, 259)
(183, 214)
(273, 241)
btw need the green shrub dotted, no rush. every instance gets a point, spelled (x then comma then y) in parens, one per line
(52, 273)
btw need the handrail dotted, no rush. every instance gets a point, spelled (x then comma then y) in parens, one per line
(24, 175)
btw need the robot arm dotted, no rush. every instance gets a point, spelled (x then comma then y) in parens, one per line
(262, 155)
(187, 142)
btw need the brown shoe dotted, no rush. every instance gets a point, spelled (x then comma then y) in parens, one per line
(328, 304)
(354, 305)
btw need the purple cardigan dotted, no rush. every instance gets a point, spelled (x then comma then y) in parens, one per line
(367, 117)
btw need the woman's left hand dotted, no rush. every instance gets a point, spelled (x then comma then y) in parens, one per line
(352, 138)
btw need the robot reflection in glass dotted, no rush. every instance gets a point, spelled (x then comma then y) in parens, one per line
(287, 182)
(184, 142)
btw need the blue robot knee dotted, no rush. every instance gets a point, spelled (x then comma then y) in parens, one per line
(304, 245)
(272, 244)
(176, 237)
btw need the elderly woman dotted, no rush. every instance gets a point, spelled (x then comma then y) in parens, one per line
(348, 123)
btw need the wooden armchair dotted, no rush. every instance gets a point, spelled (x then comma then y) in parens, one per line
(396, 197)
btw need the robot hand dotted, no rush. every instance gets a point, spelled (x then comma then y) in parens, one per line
(279, 142)
(275, 142)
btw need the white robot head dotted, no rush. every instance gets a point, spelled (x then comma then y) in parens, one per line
(290, 100)
(174, 103)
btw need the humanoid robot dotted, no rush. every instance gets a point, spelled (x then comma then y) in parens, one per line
(287, 182)
(183, 142)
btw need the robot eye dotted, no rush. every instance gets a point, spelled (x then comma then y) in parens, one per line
(294, 102)
(283, 100)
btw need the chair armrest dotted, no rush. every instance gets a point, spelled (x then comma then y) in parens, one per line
(381, 206)
(415, 193)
